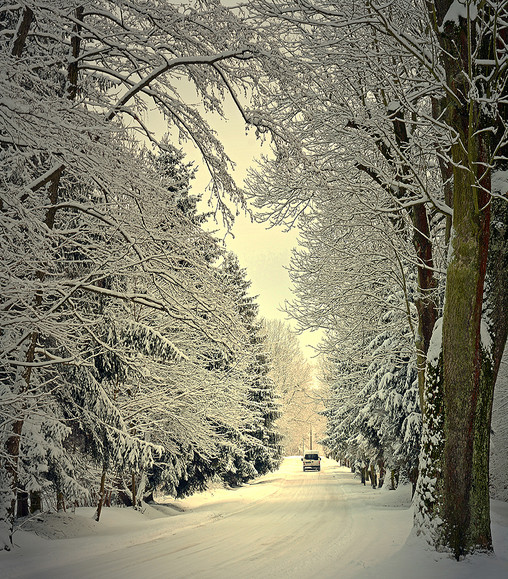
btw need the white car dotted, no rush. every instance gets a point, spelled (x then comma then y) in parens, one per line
(311, 461)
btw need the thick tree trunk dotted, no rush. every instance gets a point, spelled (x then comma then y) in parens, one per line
(467, 387)
(373, 476)
(453, 488)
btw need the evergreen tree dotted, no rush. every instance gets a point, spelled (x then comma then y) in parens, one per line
(259, 449)
(374, 418)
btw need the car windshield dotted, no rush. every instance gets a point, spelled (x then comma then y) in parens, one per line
(311, 457)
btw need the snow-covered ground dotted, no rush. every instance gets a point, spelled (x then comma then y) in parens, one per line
(286, 524)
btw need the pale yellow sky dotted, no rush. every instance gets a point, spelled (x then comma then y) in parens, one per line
(264, 252)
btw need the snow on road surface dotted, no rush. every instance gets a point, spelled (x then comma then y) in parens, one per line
(286, 524)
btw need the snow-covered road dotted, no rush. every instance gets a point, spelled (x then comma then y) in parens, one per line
(295, 531)
(286, 524)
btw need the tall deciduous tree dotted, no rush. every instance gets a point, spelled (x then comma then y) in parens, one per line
(471, 38)
(438, 69)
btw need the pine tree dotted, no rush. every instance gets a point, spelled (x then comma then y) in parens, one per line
(260, 448)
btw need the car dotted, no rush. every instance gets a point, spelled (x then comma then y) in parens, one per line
(311, 461)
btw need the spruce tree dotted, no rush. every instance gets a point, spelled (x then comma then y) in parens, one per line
(261, 439)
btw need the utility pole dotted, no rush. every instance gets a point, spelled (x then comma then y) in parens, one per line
(311, 437)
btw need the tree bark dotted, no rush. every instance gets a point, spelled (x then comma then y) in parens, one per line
(22, 504)
(373, 476)
(382, 472)
(426, 301)
(35, 502)
(394, 478)
(460, 388)
(102, 491)
(60, 501)
(22, 32)
(466, 395)
(133, 489)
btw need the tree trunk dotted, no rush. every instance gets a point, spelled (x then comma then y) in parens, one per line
(141, 490)
(35, 502)
(133, 490)
(22, 32)
(394, 478)
(467, 400)
(373, 476)
(460, 383)
(426, 300)
(382, 472)
(60, 501)
(413, 479)
(22, 504)
(124, 495)
(98, 511)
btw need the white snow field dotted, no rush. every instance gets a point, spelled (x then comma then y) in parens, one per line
(287, 524)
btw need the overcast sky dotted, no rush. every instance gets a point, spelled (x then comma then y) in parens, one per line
(265, 253)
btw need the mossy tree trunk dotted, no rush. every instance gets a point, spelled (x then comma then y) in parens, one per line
(460, 382)
(467, 387)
